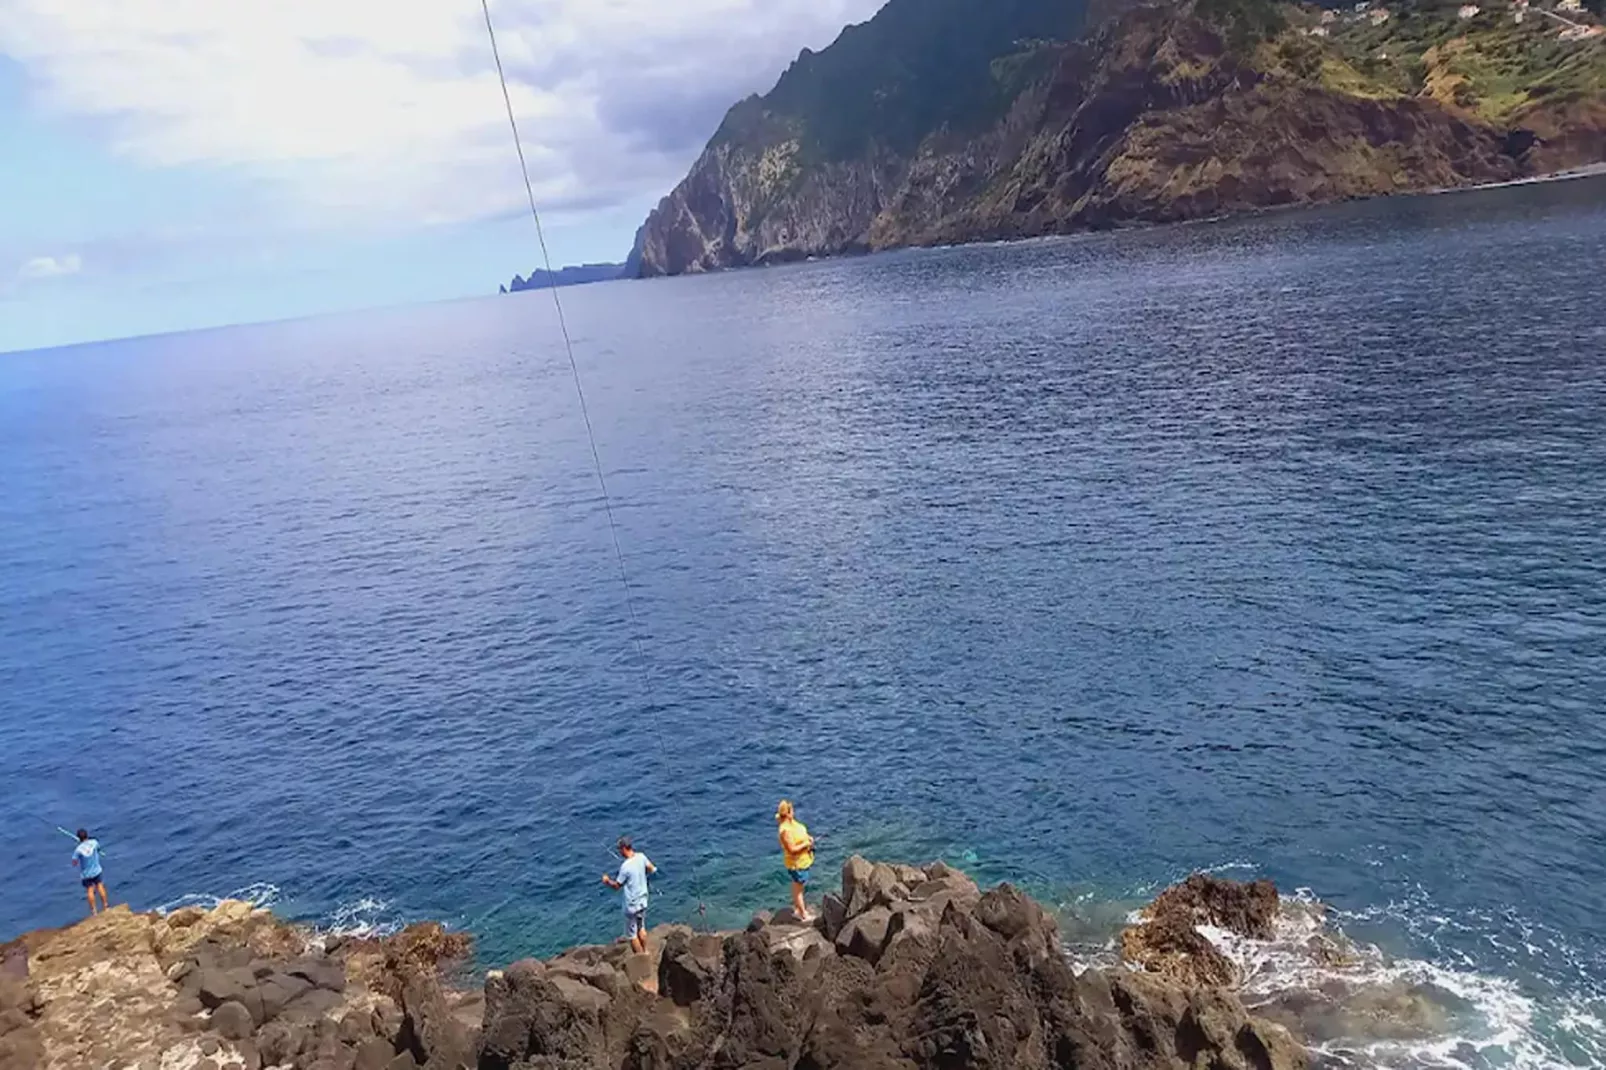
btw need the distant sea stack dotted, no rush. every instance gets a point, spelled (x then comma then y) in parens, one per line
(942, 121)
(577, 275)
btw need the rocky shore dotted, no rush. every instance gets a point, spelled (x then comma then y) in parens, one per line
(906, 968)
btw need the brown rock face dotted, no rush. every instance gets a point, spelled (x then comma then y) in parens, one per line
(961, 979)
(229, 987)
(1167, 941)
(1155, 117)
(1246, 909)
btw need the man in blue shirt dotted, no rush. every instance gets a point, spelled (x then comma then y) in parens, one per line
(632, 880)
(86, 856)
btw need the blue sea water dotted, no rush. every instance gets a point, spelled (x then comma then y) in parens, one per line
(1276, 545)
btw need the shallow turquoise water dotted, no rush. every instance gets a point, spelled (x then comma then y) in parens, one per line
(1272, 544)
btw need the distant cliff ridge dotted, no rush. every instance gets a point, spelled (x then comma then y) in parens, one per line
(945, 121)
(567, 276)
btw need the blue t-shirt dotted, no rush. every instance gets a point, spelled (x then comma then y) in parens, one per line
(88, 855)
(633, 880)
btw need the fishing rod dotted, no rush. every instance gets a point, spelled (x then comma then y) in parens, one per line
(73, 836)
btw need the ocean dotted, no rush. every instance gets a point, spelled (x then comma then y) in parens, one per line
(1273, 547)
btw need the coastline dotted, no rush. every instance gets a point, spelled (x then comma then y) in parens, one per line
(1571, 174)
(906, 967)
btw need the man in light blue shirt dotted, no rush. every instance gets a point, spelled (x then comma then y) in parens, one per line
(632, 880)
(86, 856)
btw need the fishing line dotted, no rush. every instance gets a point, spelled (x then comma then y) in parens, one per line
(585, 412)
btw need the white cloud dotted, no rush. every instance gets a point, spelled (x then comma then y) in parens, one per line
(387, 112)
(50, 267)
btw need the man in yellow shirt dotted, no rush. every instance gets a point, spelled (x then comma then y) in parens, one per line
(798, 848)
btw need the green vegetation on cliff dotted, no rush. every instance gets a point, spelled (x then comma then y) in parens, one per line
(917, 67)
(944, 121)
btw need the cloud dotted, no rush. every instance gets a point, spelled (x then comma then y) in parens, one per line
(50, 267)
(387, 113)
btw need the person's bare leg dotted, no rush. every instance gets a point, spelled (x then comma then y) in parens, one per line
(639, 942)
(105, 903)
(798, 908)
(89, 894)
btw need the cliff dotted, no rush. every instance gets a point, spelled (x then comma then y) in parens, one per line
(908, 969)
(574, 275)
(970, 120)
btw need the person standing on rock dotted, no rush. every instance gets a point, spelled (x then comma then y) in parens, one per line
(86, 856)
(797, 847)
(632, 880)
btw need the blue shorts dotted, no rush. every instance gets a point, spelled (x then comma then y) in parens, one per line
(635, 922)
(90, 882)
(799, 876)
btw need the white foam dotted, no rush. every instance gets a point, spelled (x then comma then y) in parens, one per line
(261, 896)
(1508, 1027)
(366, 917)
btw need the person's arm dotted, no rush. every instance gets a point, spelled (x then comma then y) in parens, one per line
(651, 869)
(610, 882)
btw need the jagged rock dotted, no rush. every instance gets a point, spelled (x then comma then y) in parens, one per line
(689, 968)
(833, 915)
(1167, 941)
(603, 978)
(880, 887)
(1246, 909)
(786, 916)
(664, 1041)
(312, 1006)
(238, 985)
(374, 1054)
(281, 1042)
(866, 934)
(855, 872)
(356, 1028)
(527, 1013)
(760, 1012)
(386, 1018)
(973, 1008)
(232, 1021)
(931, 975)
(760, 920)
(1172, 948)
(319, 973)
(437, 1038)
(803, 944)
(278, 991)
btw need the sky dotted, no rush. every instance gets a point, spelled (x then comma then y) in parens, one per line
(172, 164)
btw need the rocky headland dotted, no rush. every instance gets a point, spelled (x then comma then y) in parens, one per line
(908, 968)
(965, 120)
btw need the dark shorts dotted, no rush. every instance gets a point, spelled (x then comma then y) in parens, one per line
(799, 876)
(91, 882)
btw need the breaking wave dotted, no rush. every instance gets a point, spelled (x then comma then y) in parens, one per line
(261, 895)
(1360, 1007)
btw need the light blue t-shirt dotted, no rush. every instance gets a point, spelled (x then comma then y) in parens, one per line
(633, 880)
(88, 855)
